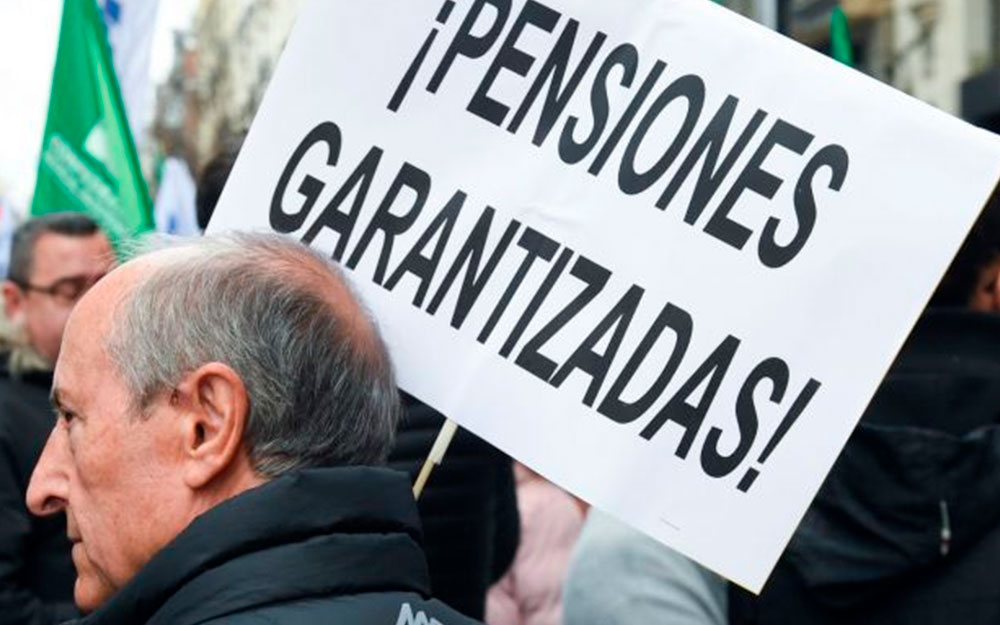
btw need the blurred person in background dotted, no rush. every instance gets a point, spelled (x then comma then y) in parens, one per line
(620, 576)
(224, 409)
(212, 178)
(530, 593)
(54, 260)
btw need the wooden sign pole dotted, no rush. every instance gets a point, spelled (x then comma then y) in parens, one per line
(441, 443)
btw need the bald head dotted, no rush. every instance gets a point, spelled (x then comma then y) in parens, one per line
(320, 384)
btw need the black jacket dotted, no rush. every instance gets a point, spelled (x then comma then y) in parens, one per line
(906, 528)
(36, 571)
(321, 546)
(468, 508)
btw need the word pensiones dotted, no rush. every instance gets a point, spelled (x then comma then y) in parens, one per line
(618, 71)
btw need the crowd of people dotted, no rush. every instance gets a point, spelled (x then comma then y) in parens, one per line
(210, 431)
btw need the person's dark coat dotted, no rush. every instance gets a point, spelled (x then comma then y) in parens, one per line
(468, 508)
(36, 570)
(337, 546)
(906, 528)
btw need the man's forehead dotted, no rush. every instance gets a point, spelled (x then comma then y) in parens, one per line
(70, 376)
(92, 317)
(82, 340)
(69, 254)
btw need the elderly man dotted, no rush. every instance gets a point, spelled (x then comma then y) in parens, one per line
(54, 259)
(222, 407)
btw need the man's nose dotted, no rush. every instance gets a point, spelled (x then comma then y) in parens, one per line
(48, 491)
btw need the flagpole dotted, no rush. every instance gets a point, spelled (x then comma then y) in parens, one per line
(434, 458)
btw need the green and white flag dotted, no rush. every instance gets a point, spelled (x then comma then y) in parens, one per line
(88, 160)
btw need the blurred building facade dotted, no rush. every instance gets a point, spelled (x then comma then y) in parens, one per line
(934, 50)
(176, 116)
(238, 44)
(945, 52)
(222, 68)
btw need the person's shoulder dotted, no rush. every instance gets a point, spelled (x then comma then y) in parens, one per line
(377, 608)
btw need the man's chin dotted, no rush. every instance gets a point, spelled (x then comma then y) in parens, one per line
(84, 599)
(90, 591)
(88, 597)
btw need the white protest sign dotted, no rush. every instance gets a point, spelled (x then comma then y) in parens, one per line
(656, 252)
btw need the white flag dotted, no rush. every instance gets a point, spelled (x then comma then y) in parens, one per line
(174, 212)
(130, 33)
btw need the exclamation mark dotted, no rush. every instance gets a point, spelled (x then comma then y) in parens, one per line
(786, 424)
(411, 71)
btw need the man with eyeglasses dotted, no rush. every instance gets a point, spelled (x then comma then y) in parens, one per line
(54, 259)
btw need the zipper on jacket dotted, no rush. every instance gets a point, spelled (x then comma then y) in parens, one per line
(945, 529)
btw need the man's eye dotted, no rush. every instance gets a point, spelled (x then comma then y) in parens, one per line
(70, 288)
(65, 415)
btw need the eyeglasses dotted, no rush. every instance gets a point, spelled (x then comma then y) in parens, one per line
(68, 289)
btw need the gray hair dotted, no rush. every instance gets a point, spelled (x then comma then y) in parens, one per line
(319, 380)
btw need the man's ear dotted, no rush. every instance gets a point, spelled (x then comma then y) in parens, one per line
(216, 407)
(13, 302)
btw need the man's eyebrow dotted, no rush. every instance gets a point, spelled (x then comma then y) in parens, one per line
(77, 276)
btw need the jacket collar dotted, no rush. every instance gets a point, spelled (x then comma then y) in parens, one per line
(315, 533)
